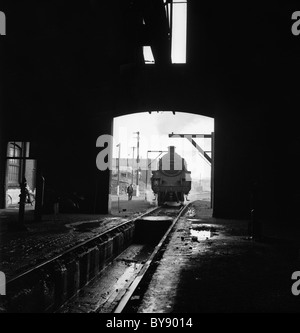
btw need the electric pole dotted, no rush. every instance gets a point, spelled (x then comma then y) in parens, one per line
(137, 164)
(118, 186)
(118, 167)
(132, 164)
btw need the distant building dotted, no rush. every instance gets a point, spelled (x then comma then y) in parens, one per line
(127, 166)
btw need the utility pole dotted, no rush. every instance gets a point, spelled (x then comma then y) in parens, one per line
(137, 164)
(118, 166)
(147, 166)
(118, 186)
(22, 187)
(132, 164)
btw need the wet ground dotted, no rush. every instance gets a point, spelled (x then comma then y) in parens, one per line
(103, 293)
(211, 265)
(41, 241)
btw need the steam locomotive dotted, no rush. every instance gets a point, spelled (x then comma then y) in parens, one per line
(171, 181)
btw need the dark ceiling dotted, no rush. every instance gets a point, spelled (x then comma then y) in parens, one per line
(84, 54)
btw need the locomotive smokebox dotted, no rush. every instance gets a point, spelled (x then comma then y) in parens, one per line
(172, 179)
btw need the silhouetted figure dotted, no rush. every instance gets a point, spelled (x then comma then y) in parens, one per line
(130, 191)
(25, 194)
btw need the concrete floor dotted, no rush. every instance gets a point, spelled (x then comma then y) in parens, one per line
(224, 271)
(21, 250)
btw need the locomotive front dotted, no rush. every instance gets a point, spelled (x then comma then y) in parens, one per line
(172, 180)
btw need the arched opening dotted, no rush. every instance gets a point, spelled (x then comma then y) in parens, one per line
(142, 139)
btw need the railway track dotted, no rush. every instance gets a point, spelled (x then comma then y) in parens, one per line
(98, 275)
(137, 288)
(120, 286)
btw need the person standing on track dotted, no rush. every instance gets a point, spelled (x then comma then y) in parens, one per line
(130, 191)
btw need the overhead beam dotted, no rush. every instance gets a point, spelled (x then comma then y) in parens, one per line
(194, 143)
(172, 135)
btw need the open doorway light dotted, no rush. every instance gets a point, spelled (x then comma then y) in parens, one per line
(142, 139)
(176, 12)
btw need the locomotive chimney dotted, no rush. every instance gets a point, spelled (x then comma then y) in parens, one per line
(171, 150)
(176, 161)
(171, 154)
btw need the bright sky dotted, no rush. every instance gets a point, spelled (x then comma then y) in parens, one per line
(179, 32)
(154, 131)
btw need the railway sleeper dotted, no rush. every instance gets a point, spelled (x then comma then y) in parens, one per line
(47, 288)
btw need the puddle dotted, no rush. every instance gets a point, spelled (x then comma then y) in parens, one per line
(202, 232)
(86, 226)
(201, 235)
(127, 275)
